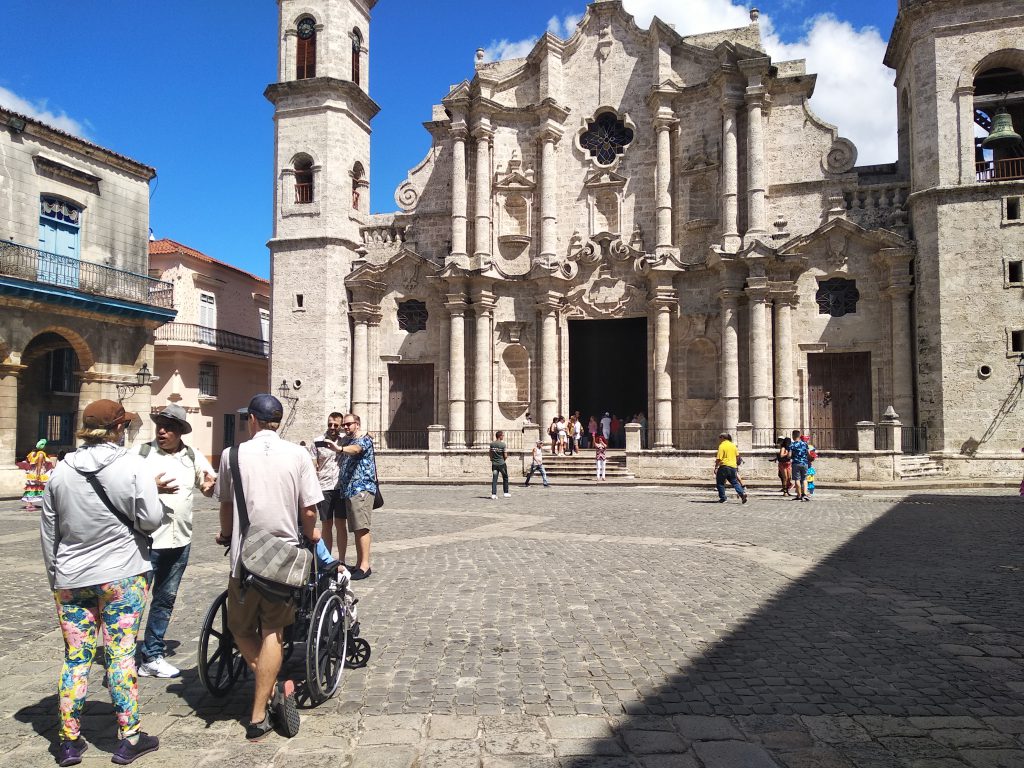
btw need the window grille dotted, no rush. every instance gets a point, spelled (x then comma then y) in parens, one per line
(207, 380)
(412, 316)
(837, 297)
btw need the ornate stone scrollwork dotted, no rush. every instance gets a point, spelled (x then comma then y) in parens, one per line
(607, 297)
(841, 157)
(407, 196)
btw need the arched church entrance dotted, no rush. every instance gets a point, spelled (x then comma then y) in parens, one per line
(608, 367)
(48, 394)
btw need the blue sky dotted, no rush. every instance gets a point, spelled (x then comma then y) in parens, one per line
(179, 85)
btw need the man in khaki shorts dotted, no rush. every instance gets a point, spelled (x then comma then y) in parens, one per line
(357, 483)
(281, 493)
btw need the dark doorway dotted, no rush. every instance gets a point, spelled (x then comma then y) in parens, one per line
(410, 406)
(840, 395)
(608, 367)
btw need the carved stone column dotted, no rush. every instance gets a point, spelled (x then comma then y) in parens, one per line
(730, 359)
(550, 363)
(785, 392)
(757, 216)
(548, 198)
(901, 346)
(9, 374)
(456, 305)
(664, 124)
(965, 115)
(459, 193)
(760, 362)
(363, 316)
(730, 177)
(663, 304)
(483, 134)
(483, 409)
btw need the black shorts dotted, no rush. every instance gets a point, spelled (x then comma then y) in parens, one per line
(332, 506)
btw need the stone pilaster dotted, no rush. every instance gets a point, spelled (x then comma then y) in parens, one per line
(662, 305)
(9, 374)
(730, 365)
(785, 392)
(364, 316)
(965, 116)
(760, 359)
(757, 215)
(457, 306)
(730, 177)
(483, 134)
(664, 123)
(548, 198)
(902, 343)
(483, 305)
(459, 194)
(550, 363)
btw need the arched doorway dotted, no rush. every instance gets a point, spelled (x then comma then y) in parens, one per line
(48, 391)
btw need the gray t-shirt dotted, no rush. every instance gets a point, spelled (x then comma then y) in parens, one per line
(278, 479)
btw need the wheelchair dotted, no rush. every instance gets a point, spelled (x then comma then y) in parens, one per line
(325, 623)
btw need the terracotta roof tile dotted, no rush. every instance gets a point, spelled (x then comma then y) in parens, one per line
(168, 247)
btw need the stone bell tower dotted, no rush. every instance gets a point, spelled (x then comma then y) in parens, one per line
(322, 114)
(958, 63)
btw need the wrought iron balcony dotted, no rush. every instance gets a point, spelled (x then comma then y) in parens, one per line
(31, 264)
(1001, 170)
(189, 333)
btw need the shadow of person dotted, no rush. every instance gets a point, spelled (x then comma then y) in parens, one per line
(99, 724)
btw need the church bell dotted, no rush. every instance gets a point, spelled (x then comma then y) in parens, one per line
(1002, 135)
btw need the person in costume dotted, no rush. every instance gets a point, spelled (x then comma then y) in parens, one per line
(37, 472)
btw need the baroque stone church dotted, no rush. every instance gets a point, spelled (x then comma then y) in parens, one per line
(631, 220)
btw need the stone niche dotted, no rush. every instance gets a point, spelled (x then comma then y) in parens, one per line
(514, 190)
(513, 370)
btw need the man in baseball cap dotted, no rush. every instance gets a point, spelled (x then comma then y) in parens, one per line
(265, 408)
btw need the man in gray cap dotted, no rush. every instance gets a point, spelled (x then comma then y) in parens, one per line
(179, 472)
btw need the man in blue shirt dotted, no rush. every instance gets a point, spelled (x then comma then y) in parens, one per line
(801, 460)
(357, 483)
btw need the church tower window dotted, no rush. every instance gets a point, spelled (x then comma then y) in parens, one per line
(359, 184)
(412, 316)
(357, 52)
(303, 180)
(837, 297)
(606, 137)
(305, 65)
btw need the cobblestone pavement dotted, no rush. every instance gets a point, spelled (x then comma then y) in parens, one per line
(597, 627)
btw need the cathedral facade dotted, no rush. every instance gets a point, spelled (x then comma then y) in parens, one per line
(634, 221)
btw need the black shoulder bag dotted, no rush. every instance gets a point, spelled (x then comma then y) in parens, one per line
(97, 487)
(272, 566)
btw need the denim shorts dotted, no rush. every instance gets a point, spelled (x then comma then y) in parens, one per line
(799, 471)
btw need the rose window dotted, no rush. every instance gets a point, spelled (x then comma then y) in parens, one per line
(606, 138)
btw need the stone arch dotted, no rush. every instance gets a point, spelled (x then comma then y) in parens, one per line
(516, 214)
(86, 358)
(1011, 58)
(701, 370)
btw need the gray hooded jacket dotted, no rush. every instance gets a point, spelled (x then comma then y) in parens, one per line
(84, 544)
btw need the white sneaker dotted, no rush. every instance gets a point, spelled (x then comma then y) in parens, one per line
(159, 667)
(493, 496)
(508, 495)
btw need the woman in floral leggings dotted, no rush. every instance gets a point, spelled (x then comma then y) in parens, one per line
(97, 508)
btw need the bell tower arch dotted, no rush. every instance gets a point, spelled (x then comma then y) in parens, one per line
(322, 116)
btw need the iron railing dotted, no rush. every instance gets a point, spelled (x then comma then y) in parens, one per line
(404, 440)
(303, 192)
(24, 263)
(482, 438)
(1000, 170)
(213, 337)
(913, 440)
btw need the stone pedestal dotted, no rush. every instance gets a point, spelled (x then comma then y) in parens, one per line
(744, 435)
(865, 436)
(435, 438)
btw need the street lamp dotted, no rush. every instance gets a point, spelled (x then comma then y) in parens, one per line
(285, 391)
(142, 377)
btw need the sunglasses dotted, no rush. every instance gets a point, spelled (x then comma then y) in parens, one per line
(348, 423)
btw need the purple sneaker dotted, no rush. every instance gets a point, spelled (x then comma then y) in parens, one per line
(129, 753)
(71, 751)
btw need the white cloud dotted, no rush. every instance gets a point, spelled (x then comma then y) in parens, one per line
(854, 89)
(39, 110)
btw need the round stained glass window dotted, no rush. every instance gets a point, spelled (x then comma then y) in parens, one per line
(606, 138)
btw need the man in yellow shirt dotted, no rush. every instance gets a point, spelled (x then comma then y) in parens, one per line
(726, 463)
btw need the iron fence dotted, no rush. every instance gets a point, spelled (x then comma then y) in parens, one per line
(213, 337)
(913, 440)
(24, 263)
(481, 438)
(404, 440)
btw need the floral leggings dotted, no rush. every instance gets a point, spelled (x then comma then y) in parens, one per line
(116, 607)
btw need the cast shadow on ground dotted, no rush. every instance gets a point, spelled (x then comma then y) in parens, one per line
(910, 617)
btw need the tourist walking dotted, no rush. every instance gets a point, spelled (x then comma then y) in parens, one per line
(563, 436)
(98, 508)
(726, 466)
(600, 456)
(782, 456)
(328, 457)
(572, 431)
(536, 465)
(279, 494)
(553, 434)
(606, 427)
(179, 472)
(498, 466)
(357, 482)
(592, 431)
(800, 460)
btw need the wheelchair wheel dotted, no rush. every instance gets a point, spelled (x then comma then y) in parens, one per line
(325, 647)
(358, 653)
(220, 663)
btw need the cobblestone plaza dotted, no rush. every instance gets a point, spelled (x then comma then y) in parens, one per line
(616, 627)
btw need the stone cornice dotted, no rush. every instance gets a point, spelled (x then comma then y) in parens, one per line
(331, 86)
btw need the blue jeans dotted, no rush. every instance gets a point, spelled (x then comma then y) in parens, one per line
(168, 567)
(495, 471)
(537, 468)
(724, 475)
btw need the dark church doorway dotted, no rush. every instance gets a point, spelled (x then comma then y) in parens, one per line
(608, 368)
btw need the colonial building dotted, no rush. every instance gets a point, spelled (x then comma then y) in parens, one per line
(631, 220)
(214, 354)
(77, 307)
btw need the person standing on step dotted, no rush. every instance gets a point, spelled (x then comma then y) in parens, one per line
(179, 472)
(498, 466)
(727, 463)
(536, 465)
(600, 456)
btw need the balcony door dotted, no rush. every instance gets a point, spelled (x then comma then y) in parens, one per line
(58, 241)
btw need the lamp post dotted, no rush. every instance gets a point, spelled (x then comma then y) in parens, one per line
(284, 391)
(142, 376)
